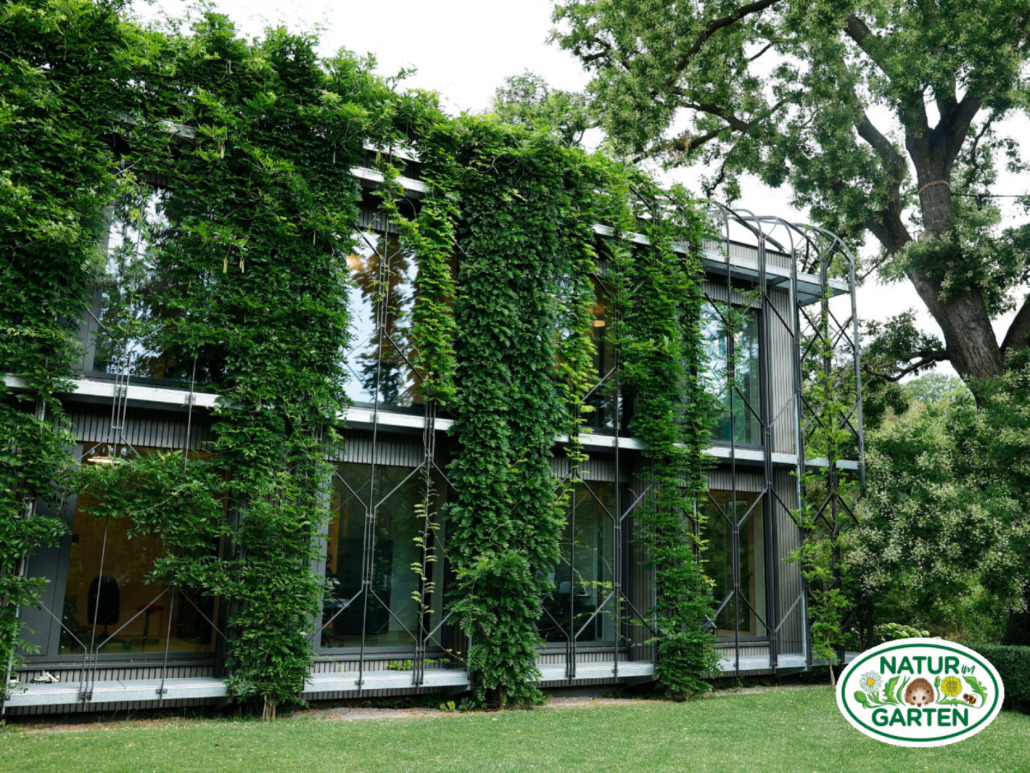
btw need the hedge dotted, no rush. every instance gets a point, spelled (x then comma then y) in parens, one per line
(1013, 665)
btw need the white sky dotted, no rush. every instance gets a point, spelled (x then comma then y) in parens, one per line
(463, 49)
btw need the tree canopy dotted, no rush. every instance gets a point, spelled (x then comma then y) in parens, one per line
(881, 115)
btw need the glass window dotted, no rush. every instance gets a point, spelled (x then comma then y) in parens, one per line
(748, 607)
(734, 359)
(602, 398)
(386, 553)
(580, 603)
(381, 297)
(109, 605)
(131, 321)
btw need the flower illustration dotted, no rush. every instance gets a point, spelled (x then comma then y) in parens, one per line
(871, 682)
(951, 686)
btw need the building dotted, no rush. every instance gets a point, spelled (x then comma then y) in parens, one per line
(115, 641)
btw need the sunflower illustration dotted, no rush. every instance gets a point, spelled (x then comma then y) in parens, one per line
(951, 686)
(871, 682)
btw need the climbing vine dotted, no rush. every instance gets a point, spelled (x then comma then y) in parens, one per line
(229, 164)
(518, 203)
(252, 146)
(56, 177)
(659, 292)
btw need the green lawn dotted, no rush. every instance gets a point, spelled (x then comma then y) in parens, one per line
(791, 729)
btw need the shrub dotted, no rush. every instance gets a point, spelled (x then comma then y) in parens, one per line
(1013, 665)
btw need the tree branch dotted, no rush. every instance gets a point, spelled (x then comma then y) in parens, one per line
(1018, 336)
(714, 26)
(895, 374)
(870, 44)
(892, 160)
(953, 127)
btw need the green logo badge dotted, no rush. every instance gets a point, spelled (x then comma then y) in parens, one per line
(920, 692)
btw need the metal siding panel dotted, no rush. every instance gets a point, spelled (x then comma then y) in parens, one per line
(780, 361)
(720, 479)
(792, 631)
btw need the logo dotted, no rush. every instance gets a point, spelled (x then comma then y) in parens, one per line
(920, 692)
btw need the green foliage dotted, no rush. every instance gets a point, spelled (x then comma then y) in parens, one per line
(658, 299)
(893, 631)
(527, 100)
(523, 200)
(60, 74)
(882, 116)
(1013, 665)
(229, 161)
(944, 538)
(255, 269)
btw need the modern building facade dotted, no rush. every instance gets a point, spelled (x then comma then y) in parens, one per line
(115, 641)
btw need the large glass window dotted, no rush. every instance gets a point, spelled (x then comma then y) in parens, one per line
(377, 530)
(381, 298)
(581, 604)
(733, 373)
(130, 315)
(737, 570)
(603, 397)
(109, 605)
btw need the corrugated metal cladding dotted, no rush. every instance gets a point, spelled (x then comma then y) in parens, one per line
(721, 479)
(116, 673)
(144, 428)
(598, 656)
(596, 468)
(779, 359)
(110, 708)
(351, 665)
(788, 540)
(717, 291)
(391, 450)
(748, 252)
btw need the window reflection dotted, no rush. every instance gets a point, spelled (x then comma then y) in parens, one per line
(583, 575)
(734, 359)
(749, 607)
(381, 298)
(132, 318)
(604, 399)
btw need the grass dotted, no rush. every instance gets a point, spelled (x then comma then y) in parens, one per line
(789, 729)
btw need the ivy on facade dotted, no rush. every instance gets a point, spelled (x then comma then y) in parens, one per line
(232, 160)
(57, 174)
(659, 298)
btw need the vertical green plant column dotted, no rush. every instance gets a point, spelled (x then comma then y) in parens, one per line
(517, 205)
(61, 80)
(260, 205)
(659, 294)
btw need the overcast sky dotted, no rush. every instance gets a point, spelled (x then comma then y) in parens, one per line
(463, 49)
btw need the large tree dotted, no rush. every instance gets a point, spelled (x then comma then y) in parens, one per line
(881, 115)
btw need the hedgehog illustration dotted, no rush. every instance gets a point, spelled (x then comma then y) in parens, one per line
(919, 693)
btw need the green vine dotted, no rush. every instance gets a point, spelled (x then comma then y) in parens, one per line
(60, 78)
(659, 293)
(519, 242)
(231, 162)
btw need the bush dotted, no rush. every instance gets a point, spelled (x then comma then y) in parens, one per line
(893, 631)
(1013, 665)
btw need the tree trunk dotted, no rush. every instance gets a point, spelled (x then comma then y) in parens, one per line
(963, 317)
(968, 334)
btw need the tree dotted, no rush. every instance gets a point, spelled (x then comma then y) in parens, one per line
(945, 538)
(881, 115)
